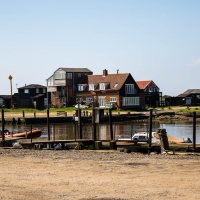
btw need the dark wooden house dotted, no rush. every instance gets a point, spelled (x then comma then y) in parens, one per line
(191, 97)
(110, 90)
(153, 96)
(5, 101)
(21, 100)
(62, 85)
(37, 93)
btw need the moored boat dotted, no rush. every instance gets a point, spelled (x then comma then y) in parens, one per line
(26, 134)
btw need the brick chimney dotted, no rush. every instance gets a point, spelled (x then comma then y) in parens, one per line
(105, 72)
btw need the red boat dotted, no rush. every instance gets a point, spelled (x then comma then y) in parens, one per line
(26, 134)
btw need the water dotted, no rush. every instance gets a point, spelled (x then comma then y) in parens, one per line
(70, 131)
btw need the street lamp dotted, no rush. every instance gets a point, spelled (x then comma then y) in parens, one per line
(10, 78)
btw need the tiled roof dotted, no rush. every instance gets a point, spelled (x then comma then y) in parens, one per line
(111, 79)
(143, 84)
(32, 86)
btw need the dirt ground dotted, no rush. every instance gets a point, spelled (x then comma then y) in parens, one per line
(74, 174)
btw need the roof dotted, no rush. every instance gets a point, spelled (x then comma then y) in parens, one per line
(76, 70)
(5, 96)
(111, 79)
(22, 95)
(32, 86)
(188, 92)
(143, 84)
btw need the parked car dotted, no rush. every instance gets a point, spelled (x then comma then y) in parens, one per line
(140, 138)
(81, 106)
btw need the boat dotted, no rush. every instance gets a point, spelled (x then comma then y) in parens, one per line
(141, 137)
(144, 137)
(25, 134)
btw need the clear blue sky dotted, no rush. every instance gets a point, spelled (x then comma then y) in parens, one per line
(155, 40)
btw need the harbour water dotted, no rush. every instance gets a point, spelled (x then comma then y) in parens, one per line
(126, 129)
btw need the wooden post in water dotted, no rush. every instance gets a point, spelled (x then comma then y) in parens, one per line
(3, 126)
(31, 134)
(194, 131)
(110, 122)
(150, 131)
(23, 114)
(54, 132)
(80, 123)
(48, 128)
(93, 125)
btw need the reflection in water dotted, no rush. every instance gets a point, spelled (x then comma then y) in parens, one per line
(126, 129)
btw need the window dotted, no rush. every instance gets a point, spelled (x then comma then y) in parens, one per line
(89, 99)
(130, 101)
(81, 87)
(129, 88)
(44, 90)
(59, 76)
(116, 84)
(79, 75)
(79, 100)
(50, 81)
(91, 86)
(37, 90)
(26, 90)
(113, 99)
(69, 75)
(102, 86)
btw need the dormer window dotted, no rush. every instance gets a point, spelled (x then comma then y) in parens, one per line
(91, 86)
(102, 86)
(116, 84)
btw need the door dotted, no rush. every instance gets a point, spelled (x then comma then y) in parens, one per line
(102, 101)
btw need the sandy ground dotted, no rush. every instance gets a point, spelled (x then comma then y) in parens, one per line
(73, 174)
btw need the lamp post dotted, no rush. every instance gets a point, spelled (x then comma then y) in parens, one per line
(10, 78)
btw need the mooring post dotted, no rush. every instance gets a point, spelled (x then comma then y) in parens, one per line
(110, 122)
(79, 123)
(93, 125)
(34, 114)
(54, 132)
(194, 131)
(31, 134)
(150, 131)
(48, 128)
(3, 125)
(23, 114)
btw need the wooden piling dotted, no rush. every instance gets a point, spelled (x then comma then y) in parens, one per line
(194, 131)
(110, 122)
(93, 125)
(150, 131)
(48, 127)
(79, 123)
(3, 126)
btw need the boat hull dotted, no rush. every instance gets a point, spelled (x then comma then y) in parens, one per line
(26, 134)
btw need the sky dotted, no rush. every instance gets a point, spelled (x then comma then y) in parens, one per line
(155, 40)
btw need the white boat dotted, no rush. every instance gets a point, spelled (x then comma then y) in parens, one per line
(141, 137)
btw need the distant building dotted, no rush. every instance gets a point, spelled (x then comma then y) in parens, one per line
(62, 84)
(153, 96)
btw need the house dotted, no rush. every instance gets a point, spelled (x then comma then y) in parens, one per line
(62, 84)
(110, 90)
(22, 100)
(34, 90)
(5, 101)
(189, 97)
(153, 96)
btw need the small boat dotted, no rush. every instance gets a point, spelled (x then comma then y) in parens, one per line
(141, 137)
(26, 134)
